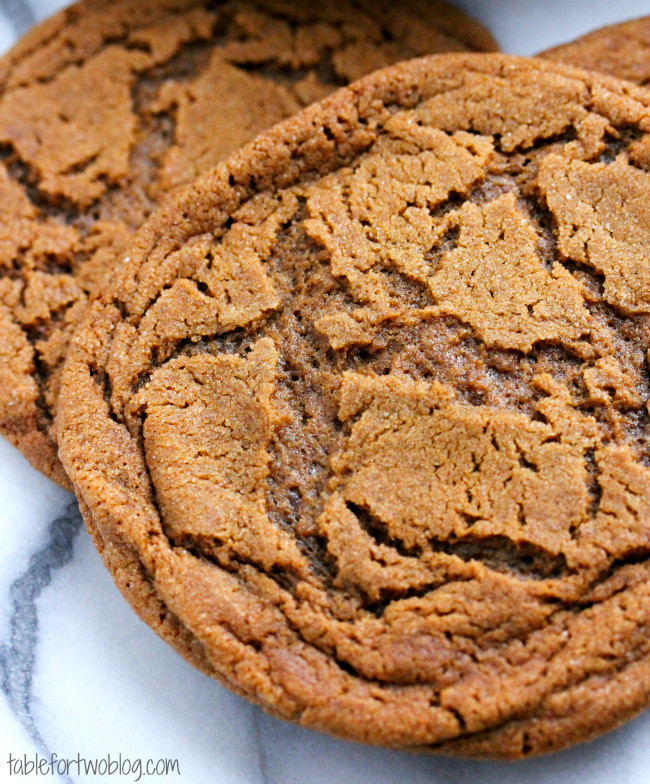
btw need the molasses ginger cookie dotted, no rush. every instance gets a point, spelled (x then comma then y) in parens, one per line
(360, 423)
(108, 106)
(621, 50)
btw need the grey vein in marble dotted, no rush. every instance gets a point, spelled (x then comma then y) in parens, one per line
(17, 656)
(260, 749)
(19, 14)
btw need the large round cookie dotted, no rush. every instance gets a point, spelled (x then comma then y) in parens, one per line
(361, 422)
(621, 50)
(109, 105)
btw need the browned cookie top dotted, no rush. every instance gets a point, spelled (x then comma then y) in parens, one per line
(368, 407)
(109, 105)
(622, 50)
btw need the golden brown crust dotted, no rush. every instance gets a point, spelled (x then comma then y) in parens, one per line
(108, 106)
(395, 494)
(621, 50)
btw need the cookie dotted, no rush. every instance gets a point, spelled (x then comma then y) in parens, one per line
(622, 50)
(361, 422)
(108, 106)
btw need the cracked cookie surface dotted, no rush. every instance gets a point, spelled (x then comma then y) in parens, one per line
(108, 106)
(621, 50)
(361, 424)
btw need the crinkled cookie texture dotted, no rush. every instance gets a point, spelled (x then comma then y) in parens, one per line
(621, 50)
(361, 424)
(110, 105)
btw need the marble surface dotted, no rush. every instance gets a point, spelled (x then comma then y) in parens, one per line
(81, 675)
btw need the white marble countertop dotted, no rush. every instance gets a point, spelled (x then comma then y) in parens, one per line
(81, 675)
